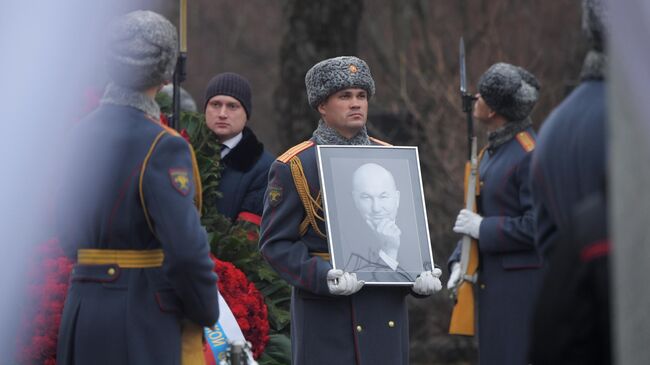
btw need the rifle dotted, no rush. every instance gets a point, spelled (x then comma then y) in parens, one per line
(179, 73)
(462, 318)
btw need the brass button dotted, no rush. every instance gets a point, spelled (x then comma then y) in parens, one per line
(481, 184)
(111, 271)
(482, 286)
(391, 324)
(359, 328)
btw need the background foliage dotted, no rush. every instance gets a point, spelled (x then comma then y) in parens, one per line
(237, 242)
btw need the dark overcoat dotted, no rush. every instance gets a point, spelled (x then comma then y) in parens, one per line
(509, 271)
(570, 159)
(244, 178)
(369, 327)
(571, 323)
(117, 315)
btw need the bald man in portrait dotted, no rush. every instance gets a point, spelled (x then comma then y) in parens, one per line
(374, 240)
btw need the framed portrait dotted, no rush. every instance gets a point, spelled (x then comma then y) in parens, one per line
(375, 212)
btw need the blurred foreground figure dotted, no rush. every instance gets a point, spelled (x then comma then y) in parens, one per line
(143, 285)
(568, 178)
(509, 265)
(335, 319)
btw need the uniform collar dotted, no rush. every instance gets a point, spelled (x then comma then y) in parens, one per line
(119, 95)
(507, 132)
(326, 135)
(593, 68)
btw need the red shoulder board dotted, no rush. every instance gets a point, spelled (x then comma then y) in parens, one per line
(526, 141)
(380, 142)
(288, 155)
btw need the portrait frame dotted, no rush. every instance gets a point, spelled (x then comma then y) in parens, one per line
(351, 178)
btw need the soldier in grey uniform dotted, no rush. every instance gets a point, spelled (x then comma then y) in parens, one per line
(143, 285)
(509, 263)
(334, 318)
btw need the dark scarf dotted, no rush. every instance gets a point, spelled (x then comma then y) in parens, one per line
(119, 95)
(246, 153)
(593, 68)
(324, 134)
(507, 132)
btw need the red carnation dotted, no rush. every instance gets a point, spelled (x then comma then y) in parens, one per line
(246, 304)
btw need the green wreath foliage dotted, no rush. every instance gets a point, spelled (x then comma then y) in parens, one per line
(237, 242)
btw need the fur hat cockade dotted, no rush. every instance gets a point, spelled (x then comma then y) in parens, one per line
(335, 74)
(142, 50)
(509, 90)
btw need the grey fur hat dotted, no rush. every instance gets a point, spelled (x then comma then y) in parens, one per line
(594, 22)
(335, 74)
(509, 90)
(142, 48)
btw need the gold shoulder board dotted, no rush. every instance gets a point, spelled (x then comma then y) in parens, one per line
(379, 141)
(526, 141)
(285, 157)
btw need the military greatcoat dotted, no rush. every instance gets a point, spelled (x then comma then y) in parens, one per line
(509, 264)
(369, 327)
(121, 191)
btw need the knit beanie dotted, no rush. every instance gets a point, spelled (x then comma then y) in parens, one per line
(142, 47)
(509, 90)
(335, 74)
(231, 84)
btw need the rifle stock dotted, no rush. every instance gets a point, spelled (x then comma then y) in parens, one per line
(462, 318)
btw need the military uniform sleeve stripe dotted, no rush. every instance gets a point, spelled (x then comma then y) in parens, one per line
(380, 142)
(526, 141)
(285, 157)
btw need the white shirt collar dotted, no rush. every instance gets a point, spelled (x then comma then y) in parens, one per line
(230, 144)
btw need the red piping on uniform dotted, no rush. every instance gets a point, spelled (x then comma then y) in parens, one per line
(250, 217)
(595, 250)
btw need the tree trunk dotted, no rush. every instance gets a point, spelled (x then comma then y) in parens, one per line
(316, 30)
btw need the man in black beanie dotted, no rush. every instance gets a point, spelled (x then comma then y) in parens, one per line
(143, 285)
(228, 106)
(509, 264)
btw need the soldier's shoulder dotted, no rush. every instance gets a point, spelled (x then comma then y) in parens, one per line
(379, 142)
(526, 140)
(295, 151)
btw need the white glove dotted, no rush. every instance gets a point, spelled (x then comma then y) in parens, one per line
(454, 277)
(343, 283)
(428, 282)
(468, 223)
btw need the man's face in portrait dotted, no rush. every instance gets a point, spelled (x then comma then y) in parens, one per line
(375, 194)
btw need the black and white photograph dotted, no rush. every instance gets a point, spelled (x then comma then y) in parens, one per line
(375, 212)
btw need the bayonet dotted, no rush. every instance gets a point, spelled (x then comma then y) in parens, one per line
(462, 318)
(467, 98)
(179, 72)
